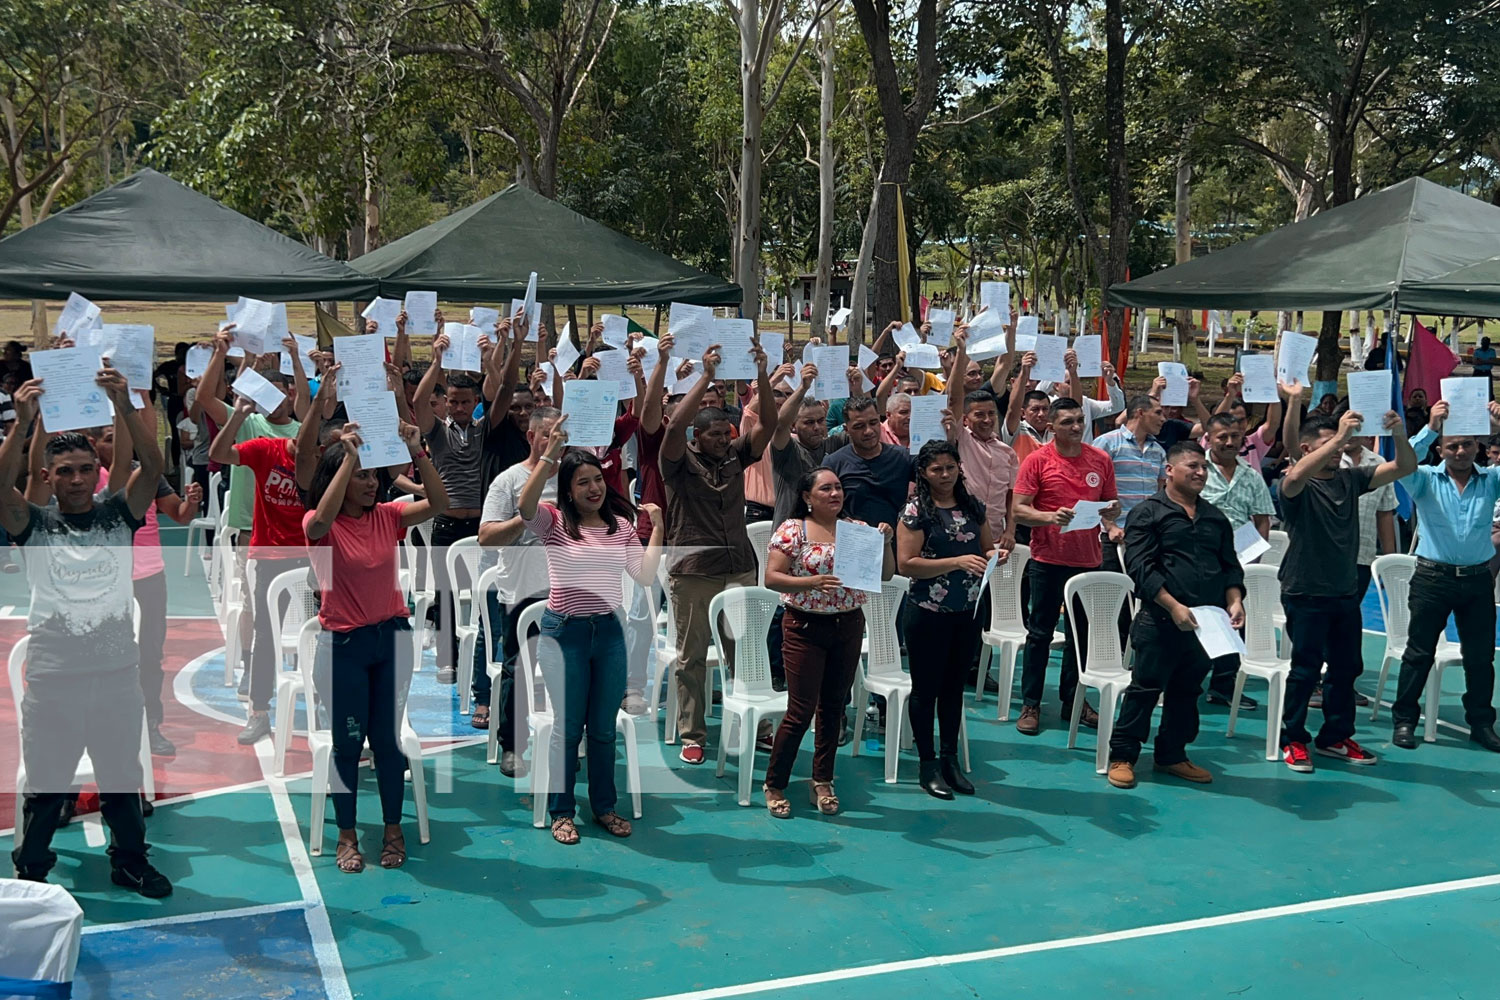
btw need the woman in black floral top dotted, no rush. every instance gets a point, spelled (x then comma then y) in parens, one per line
(942, 545)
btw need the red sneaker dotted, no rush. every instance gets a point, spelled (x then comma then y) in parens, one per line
(1296, 758)
(1348, 750)
(691, 753)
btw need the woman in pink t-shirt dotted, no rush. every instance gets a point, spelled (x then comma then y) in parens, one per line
(590, 541)
(353, 542)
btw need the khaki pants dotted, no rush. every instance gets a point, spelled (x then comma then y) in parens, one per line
(690, 596)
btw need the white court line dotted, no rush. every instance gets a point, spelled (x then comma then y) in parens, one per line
(1060, 944)
(192, 918)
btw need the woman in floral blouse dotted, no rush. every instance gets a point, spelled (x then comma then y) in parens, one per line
(942, 545)
(821, 630)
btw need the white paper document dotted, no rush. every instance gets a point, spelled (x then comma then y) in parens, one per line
(733, 336)
(532, 308)
(252, 385)
(1051, 358)
(692, 329)
(923, 356)
(279, 329)
(384, 313)
(987, 337)
(616, 329)
(1248, 544)
(305, 348)
(906, 337)
(941, 321)
(1090, 350)
(78, 314)
(131, 350)
(197, 360)
(1260, 378)
(833, 371)
(867, 358)
(1370, 397)
(71, 400)
(590, 409)
(379, 430)
(858, 556)
(1468, 406)
(1294, 357)
(927, 420)
(774, 344)
(1176, 374)
(1086, 515)
(984, 580)
(361, 365)
(1026, 331)
(421, 314)
(685, 384)
(533, 318)
(612, 369)
(484, 317)
(838, 319)
(1218, 637)
(995, 296)
(567, 351)
(252, 324)
(463, 354)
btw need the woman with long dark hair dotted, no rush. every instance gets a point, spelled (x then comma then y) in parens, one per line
(822, 628)
(353, 541)
(942, 545)
(590, 540)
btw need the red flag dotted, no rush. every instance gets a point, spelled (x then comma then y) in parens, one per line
(1430, 362)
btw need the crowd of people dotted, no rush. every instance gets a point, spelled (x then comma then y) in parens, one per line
(1086, 477)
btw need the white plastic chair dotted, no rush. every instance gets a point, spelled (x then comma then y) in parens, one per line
(420, 588)
(320, 742)
(1262, 657)
(760, 540)
(230, 605)
(462, 561)
(1101, 665)
(1006, 634)
(92, 824)
(199, 527)
(286, 628)
(749, 696)
(1392, 575)
(1279, 541)
(542, 721)
(881, 673)
(666, 662)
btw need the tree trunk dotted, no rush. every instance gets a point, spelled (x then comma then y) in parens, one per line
(1120, 208)
(1184, 226)
(1341, 191)
(859, 295)
(752, 86)
(823, 282)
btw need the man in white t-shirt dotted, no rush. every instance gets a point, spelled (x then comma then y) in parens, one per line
(522, 582)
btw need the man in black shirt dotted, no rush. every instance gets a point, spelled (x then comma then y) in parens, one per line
(1179, 552)
(1319, 581)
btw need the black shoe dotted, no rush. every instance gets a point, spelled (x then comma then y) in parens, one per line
(160, 745)
(257, 727)
(932, 781)
(69, 810)
(1485, 736)
(147, 806)
(1405, 736)
(954, 775)
(844, 733)
(1247, 704)
(141, 877)
(31, 875)
(447, 675)
(512, 765)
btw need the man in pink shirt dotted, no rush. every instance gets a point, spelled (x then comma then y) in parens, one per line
(989, 464)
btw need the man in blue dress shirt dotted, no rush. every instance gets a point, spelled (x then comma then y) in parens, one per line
(1455, 504)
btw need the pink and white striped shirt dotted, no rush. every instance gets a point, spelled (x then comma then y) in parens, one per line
(585, 572)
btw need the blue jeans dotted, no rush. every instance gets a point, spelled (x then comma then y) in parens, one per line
(582, 660)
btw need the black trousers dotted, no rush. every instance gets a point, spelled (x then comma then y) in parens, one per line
(371, 670)
(1169, 664)
(941, 649)
(513, 729)
(1047, 582)
(1471, 601)
(1323, 629)
(64, 716)
(446, 531)
(757, 512)
(151, 594)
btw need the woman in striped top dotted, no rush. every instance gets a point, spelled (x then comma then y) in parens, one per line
(590, 541)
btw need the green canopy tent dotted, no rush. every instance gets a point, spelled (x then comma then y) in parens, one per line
(1476, 288)
(1384, 249)
(487, 251)
(150, 238)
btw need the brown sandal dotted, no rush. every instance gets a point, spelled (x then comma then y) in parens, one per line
(827, 802)
(563, 831)
(614, 823)
(393, 851)
(348, 858)
(781, 807)
(480, 718)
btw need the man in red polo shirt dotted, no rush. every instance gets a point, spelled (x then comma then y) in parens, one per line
(1053, 480)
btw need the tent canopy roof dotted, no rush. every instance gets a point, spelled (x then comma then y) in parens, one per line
(151, 238)
(486, 252)
(1356, 256)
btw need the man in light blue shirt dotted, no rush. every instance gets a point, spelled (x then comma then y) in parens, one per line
(1455, 504)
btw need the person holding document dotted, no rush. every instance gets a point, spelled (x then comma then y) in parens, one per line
(1179, 552)
(821, 633)
(942, 545)
(1052, 480)
(355, 543)
(1455, 506)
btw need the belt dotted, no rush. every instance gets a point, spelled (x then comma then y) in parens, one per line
(1448, 569)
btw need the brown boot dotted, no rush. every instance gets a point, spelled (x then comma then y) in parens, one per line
(1030, 722)
(1187, 771)
(1121, 774)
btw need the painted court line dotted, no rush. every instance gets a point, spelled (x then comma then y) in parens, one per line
(1060, 944)
(193, 918)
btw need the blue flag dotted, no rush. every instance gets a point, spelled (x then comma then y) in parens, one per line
(1388, 443)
